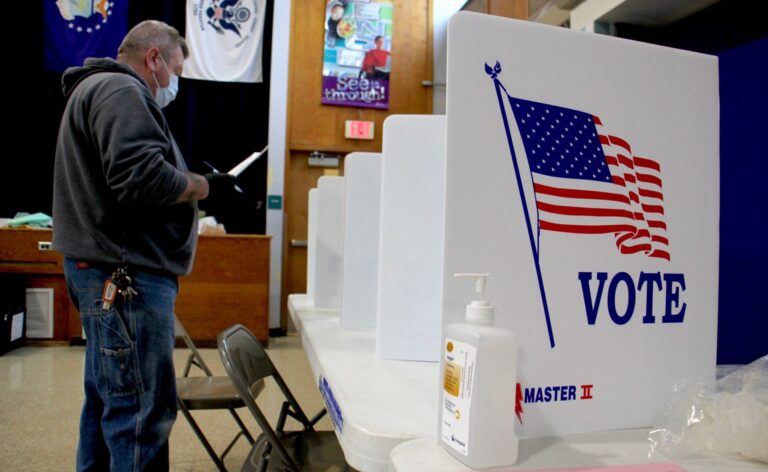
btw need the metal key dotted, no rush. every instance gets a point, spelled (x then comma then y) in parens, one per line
(123, 282)
(129, 293)
(121, 278)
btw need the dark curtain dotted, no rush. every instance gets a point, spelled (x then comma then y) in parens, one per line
(216, 122)
(740, 40)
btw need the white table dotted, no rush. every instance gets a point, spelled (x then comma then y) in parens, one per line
(382, 403)
(606, 448)
(388, 410)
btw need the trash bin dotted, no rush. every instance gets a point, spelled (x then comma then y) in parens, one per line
(13, 313)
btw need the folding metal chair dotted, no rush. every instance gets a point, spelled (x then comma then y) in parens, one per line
(209, 392)
(248, 364)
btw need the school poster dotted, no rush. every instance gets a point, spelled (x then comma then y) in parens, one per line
(357, 53)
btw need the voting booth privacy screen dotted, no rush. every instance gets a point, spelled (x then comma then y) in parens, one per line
(362, 199)
(328, 243)
(409, 298)
(583, 174)
(311, 241)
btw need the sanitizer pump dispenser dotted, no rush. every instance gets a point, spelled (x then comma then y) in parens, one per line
(477, 401)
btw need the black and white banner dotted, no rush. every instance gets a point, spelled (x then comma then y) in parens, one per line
(225, 40)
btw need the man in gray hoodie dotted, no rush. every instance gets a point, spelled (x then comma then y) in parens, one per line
(125, 217)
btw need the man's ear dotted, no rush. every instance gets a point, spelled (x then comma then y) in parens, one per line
(151, 58)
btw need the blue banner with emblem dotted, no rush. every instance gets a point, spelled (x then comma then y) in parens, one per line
(78, 29)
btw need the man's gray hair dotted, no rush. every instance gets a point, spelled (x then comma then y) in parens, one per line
(153, 33)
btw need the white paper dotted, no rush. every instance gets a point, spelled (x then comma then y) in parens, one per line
(17, 326)
(245, 163)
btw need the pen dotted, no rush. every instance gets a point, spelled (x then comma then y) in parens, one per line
(238, 189)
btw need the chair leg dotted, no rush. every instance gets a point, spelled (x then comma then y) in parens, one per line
(214, 457)
(317, 417)
(240, 423)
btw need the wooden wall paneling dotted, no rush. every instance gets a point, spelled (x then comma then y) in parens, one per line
(517, 9)
(411, 57)
(19, 252)
(478, 6)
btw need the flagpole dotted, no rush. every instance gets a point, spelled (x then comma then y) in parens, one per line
(494, 75)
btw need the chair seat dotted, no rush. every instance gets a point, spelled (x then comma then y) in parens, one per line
(312, 451)
(210, 393)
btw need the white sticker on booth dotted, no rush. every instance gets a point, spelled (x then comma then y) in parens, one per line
(582, 173)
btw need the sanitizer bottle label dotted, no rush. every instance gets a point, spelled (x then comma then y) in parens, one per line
(458, 374)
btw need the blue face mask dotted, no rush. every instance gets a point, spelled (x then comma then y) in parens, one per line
(164, 96)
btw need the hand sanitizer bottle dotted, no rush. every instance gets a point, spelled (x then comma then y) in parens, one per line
(477, 401)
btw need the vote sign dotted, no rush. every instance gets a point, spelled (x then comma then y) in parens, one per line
(583, 174)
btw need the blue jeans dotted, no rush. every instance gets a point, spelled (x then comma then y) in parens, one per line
(130, 381)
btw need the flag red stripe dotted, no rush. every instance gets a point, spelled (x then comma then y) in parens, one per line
(621, 237)
(582, 211)
(586, 194)
(620, 142)
(596, 120)
(630, 178)
(650, 179)
(635, 249)
(611, 160)
(642, 233)
(618, 180)
(660, 239)
(584, 229)
(657, 224)
(643, 162)
(653, 209)
(660, 254)
(651, 194)
(624, 160)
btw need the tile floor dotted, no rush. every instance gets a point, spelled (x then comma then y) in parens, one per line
(41, 395)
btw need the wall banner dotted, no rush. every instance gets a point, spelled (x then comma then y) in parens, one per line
(225, 40)
(356, 53)
(76, 29)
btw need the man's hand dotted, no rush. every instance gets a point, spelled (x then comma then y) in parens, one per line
(197, 188)
(220, 184)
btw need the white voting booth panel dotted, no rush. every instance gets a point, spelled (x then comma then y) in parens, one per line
(411, 241)
(362, 173)
(583, 174)
(329, 245)
(311, 242)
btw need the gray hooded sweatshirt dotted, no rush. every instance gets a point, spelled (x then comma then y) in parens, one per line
(118, 174)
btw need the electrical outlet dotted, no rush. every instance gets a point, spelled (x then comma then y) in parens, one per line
(44, 245)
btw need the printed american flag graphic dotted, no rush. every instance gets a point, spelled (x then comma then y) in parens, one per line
(588, 181)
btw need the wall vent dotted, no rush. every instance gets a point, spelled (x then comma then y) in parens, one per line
(40, 313)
